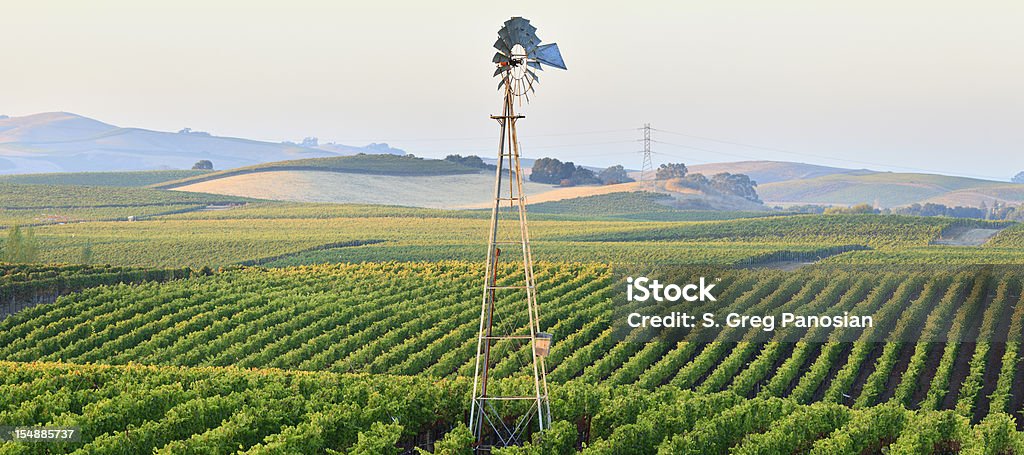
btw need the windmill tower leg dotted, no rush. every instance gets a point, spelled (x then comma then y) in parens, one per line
(506, 417)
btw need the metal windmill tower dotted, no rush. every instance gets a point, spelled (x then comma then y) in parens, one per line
(510, 338)
(647, 168)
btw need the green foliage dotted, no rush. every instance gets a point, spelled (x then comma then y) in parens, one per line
(457, 441)
(203, 165)
(735, 184)
(472, 161)
(553, 171)
(379, 440)
(559, 439)
(859, 209)
(670, 171)
(20, 246)
(18, 196)
(87, 254)
(1011, 237)
(876, 231)
(614, 175)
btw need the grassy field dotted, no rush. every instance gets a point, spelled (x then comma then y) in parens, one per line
(40, 204)
(116, 179)
(355, 164)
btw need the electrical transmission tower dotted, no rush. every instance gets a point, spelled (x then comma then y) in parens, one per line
(647, 169)
(510, 343)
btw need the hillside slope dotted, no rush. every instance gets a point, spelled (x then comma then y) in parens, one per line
(434, 191)
(890, 189)
(66, 142)
(774, 171)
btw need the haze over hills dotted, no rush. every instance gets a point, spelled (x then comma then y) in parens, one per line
(66, 142)
(774, 171)
(891, 189)
(385, 179)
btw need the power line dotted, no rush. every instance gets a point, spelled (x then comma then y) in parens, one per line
(478, 138)
(812, 155)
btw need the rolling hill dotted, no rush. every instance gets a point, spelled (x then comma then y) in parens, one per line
(411, 181)
(366, 179)
(774, 171)
(66, 142)
(890, 189)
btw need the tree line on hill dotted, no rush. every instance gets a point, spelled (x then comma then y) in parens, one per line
(472, 161)
(553, 171)
(723, 183)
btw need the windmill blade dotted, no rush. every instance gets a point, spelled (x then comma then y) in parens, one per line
(528, 36)
(503, 34)
(531, 74)
(501, 69)
(548, 54)
(499, 58)
(520, 31)
(502, 47)
(535, 65)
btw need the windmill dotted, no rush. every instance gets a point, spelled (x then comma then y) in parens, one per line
(503, 412)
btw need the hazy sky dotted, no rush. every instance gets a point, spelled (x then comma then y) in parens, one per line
(926, 85)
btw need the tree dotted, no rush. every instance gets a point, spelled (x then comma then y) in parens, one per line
(853, 210)
(472, 161)
(735, 184)
(613, 175)
(553, 171)
(697, 181)
(203, 164)
(1019, 178)
(583, 176)
(670, 171)
(20, 246)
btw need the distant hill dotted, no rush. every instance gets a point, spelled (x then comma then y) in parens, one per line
(420, 182)
(341, 149)
(66, 142)
(774, 171)
(891, 189)
(366, 179)
(395, 165)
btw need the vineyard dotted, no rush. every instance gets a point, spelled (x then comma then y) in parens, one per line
(23, 286)
(228, 410)
(115, 179)
(960, 376)
(269, 327)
